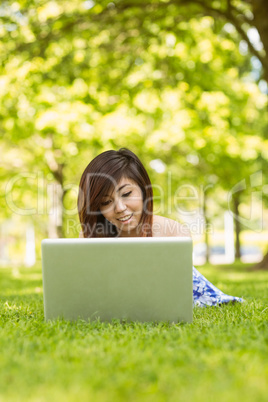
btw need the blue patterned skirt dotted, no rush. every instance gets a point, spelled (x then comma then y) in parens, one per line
(206, 294)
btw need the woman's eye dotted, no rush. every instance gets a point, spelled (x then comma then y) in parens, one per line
(105, 203)
(127, 194)
(108, 202)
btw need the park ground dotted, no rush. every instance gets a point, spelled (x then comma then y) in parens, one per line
(221, 356)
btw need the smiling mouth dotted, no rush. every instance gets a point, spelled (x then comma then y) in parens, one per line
(127, 218)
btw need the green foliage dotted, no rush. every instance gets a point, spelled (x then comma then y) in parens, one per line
(221, 354)
(166, 80)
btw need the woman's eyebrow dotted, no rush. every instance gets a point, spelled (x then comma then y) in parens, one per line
(120, 188)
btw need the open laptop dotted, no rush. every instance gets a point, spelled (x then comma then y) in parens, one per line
(133, 279)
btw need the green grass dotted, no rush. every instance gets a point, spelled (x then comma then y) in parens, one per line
(221, 356)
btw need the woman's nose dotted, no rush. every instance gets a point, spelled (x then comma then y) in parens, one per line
(119, 206)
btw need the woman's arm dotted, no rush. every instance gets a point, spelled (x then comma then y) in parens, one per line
(81, 235)
(180, 230)
(168, 227)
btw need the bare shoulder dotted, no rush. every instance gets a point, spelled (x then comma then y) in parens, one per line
(167, 227)
(81, 235)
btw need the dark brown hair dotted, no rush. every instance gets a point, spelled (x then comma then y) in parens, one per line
(100, 177)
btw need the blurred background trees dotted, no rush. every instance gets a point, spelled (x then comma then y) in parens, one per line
(182, 84)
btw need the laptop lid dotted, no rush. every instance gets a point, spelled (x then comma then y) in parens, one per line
(133, 279)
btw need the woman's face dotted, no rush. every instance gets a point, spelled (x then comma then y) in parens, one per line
(123, 207)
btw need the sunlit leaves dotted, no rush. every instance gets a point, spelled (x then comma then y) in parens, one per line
(161, 79)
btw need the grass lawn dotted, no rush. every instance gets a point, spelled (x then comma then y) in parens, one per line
(221, 356)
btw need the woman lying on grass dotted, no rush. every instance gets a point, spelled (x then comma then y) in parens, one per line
(116, 200)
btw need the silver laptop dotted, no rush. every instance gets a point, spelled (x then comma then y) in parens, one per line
(132, 279)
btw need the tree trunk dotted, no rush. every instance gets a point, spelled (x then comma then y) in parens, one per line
(237, 227)
(55, 211)
(206, 225)
(55, 191)
(260, 12)
(263, 264)
(60, 193)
